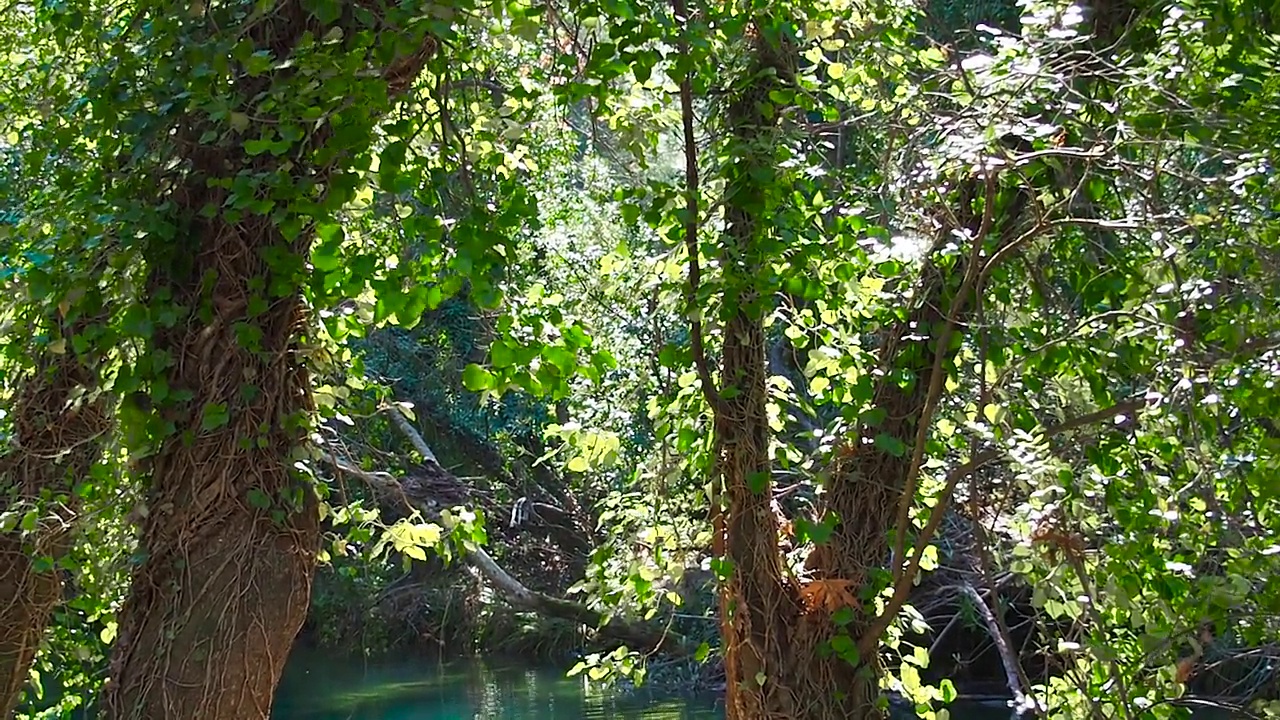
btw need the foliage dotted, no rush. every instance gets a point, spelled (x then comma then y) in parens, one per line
(1019, 265)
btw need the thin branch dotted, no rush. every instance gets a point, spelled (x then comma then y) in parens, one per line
(938, 374)
(1008, 250)
(902, 588)
(691, 210)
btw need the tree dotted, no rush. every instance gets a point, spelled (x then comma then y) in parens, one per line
(232, 529)
(1022, 285)
(803, 641)
(61, 419)
(224, 134)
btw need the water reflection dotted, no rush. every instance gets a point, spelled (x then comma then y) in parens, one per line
(319, 687)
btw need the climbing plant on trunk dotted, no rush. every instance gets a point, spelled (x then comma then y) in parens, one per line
(228, 132)
(61, 419)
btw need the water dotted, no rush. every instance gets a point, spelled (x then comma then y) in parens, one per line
(319, 687)
(324, 687)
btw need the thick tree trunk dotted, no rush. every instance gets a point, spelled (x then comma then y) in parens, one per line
(59, 422)
(780, 634)
(761, 605)
(232, 529)
(231, 532)
(799, 649)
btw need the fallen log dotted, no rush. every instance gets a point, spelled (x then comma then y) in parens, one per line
(408, 496)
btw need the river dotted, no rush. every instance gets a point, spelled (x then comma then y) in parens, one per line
(320, 686)
(316, 687)
(323, 687)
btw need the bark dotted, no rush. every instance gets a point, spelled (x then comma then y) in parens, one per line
(232, 530)
(777, 632)
(60, 420)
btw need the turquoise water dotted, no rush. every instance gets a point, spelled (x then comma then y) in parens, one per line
(325, 687)
(320, 687)
(317, 687)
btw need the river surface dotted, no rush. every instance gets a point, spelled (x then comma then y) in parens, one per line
(321, 687)
(318, 686)
(325, 688)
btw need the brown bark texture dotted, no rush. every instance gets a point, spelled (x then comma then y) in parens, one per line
(230, 536)
(59, 423)
(232, 529)
(806, 648)
(778, 632)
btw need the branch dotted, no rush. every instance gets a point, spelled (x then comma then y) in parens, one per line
(512, 590)
(938, 373)
(691, 219)
(415, 438)
(1041, 226)
(1011, 668)
(902, 588)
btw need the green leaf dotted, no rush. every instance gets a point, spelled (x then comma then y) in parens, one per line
(501, 355)
(215, 415)
(842, 617)
(476, 378)
(992, 413)
(259, 499)
(929, 558)
(817, 533)
(891, 444)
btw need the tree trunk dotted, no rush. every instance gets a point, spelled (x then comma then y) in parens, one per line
(232, 529)
(778, 633)
(59, 423)
(231, 532)
(808, 649)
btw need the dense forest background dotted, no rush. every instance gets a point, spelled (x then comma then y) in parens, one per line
(814, 351)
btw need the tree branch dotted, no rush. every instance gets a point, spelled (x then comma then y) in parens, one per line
(867, 643)
(691, 211)
(510, 589)
(938, 373)
(415, 438)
